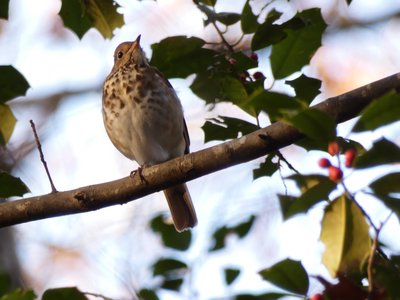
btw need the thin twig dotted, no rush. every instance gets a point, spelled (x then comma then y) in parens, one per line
(290, 166)
(39, 146)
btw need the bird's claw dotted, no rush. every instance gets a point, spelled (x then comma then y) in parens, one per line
(139, 172)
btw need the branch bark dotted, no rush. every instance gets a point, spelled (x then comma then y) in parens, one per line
(190, 166)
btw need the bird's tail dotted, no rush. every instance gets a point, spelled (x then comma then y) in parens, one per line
(181, 207)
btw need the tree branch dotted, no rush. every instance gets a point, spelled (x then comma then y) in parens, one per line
(190, 166)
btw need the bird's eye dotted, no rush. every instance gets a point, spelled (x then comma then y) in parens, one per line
(120, 54)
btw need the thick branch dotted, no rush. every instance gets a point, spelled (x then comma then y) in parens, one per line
(188, 167)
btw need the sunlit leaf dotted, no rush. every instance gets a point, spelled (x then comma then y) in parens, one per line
(20, 294)
(306, 88)
(289, 275)
(248, 19)
(173, 56)
(345, 234)
(11, 186)
(7, 123)
(240, 230)
(382, 152)
(381, 112)
(215, 88)
(223, 128)
(170, 237)
(231, 275)
(315, 124)
(296, 50)
(80, 16)
(4, 9)
(66, 293)
(12, 83)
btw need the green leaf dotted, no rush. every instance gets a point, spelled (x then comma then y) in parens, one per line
(381, 112)
(289, 275)
(345, 234)
(387, 184)
(174, 56)
(4, 9)
(296, 50)
(11, 186)
(315, 188)
(268, 33)
(231, 275)
(170, 237)
(223, 128)
(248, 19)
(382, 152)
(172, 284)
(228, 18)
(267, 168)
(147, 294)
(276, 105)
(12, 83)
(165, 266)
(240, 230)
(391, 201)
(7, 124)
(315, 124)
(20, 294)
(5, 283)
(206, 2)
(80, 16)
(306, 88)
(67, 293)
(215, 88)
(266, 296)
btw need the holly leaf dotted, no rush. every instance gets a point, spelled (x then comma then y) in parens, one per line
(306, 88)
(314, 188)
(373, 157)
(345, 234)
(170, 237)
(315, 124)
(4, 9)
(12, 83)
(11, 186)
(240, 230)
(223, 128)
(215, 88)
(168, 266)
(231, 275)
(289, 275)
(80, 16)
(148, 294)
(20, 294)
(7, 124)
(266, 168)
(64, 294)
(248, 19)
(296, 50)
(381, 112)
(173, 56)
(268, 33)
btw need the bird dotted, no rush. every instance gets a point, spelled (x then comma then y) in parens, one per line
(143, 118)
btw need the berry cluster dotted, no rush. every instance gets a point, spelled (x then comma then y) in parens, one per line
(245, 75)
(335, 172)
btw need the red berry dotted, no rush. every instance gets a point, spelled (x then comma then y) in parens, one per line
(317, 296)
(333, 148)
(335, 174)
(349, 156)
(324, 163)
(258, 75)
(232, 61)
(254, 56)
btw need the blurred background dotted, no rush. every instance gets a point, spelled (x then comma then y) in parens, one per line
(109, 251)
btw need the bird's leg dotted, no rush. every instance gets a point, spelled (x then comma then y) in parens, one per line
(139, 171)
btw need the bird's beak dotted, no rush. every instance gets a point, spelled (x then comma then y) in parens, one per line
(138, 39)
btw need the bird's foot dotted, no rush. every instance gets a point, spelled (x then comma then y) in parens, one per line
(139, 172)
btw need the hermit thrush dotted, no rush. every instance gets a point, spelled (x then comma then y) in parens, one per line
(144, 120)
